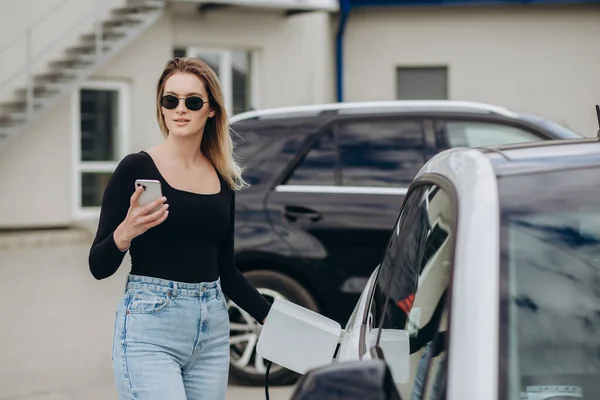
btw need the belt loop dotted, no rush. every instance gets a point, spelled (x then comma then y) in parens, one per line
(174, 289)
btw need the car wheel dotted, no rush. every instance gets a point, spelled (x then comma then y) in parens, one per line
(246, 366)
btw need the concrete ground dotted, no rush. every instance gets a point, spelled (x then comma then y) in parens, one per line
(57, 323)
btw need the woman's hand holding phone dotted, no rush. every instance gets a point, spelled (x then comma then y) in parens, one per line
(139, 219)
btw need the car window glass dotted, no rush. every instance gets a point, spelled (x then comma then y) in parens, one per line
(261, 150)
(550, 284)
(383, 153)
(318, 166)
(404, 248)
(410, 292)
(479, 134)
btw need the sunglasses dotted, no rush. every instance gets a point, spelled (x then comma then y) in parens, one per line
(193, 103)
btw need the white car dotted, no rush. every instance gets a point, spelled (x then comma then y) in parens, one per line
(489, 287)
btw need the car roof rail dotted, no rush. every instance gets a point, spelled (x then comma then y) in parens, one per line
(494, 150)
(374, 107)
(415, 105)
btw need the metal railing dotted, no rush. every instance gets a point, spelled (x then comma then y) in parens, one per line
(31, 59)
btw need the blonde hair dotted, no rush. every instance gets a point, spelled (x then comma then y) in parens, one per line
(217, 144)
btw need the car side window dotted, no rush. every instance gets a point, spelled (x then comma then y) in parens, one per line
(411, 289)
(479, 134)
(318, 167)
(380, 153)
(402, 256)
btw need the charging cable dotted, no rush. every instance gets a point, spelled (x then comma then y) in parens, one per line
(267, 379)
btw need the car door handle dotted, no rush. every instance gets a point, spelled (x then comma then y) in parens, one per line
(294, 213)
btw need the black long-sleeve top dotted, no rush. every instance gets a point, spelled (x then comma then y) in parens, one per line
(194, 244)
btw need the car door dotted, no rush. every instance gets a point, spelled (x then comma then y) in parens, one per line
(411, 290)
(338, 202)
(469, 132)
(351, 347)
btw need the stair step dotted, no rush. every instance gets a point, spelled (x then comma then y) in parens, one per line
(120, 30)
(7, 125)
(20, 105)
(63, 75)
(86, 58)
(72, 63)
(145, 3)
(86, 49)
(132, 16)
(42, 91)
(9, 121)
(120, 21)
(73, 71)
(135, 9)
(107, 36)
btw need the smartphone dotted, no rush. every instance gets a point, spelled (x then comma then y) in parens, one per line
(152, 191)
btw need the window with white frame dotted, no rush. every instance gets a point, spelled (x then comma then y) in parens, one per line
(237, 72)
(101, 132)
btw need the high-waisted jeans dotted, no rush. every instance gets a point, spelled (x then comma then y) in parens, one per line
(171, 341)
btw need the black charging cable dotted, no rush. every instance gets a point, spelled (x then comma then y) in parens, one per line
(267, 379)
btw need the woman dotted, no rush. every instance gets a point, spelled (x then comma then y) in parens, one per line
(171, 337)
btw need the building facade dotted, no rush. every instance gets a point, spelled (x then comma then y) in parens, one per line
(268, 53)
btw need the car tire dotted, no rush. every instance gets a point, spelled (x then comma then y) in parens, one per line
(270, 284)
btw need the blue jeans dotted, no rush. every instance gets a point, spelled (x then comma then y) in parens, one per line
(171, 341)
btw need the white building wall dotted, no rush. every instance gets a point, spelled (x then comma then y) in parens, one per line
(35, 181)
(295, 54)
(295, 66)
(540, 59)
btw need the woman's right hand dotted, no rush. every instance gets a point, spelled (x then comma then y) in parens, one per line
(139, 219)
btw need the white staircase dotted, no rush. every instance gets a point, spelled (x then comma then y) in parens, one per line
(107, 36)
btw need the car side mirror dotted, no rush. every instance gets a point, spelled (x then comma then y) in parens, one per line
(357, 380)
(297, 338)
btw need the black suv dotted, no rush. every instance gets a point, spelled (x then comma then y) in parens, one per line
(325, 183)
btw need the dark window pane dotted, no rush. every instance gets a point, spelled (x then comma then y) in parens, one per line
(257, 149)
(99, 114)
(92, 188)
(480, 134)
(550, 281)
(180, 52)
(241, 81)
(212, 59)
(397, 278)
(380, 153)
(318, 166)
(422, 83)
